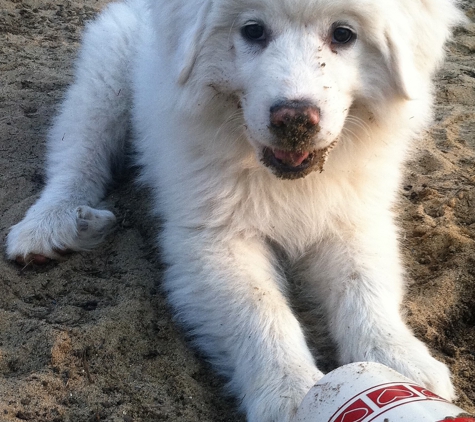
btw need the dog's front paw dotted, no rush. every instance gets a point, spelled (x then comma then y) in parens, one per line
(47, 233)
(280, 395)
(412, 359)
(430, 373)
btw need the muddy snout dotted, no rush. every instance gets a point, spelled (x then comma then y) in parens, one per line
(293, 153)
(294, 125)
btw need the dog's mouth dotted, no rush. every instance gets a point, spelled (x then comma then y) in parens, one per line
(295, 164)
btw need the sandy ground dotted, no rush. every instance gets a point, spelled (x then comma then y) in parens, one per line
(91, 338)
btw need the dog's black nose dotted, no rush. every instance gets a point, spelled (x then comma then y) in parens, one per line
(294, 119)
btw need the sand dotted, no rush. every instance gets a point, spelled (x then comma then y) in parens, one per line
(91, 338)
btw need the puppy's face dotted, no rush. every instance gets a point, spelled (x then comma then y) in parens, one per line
(300, 68)
(297, 81)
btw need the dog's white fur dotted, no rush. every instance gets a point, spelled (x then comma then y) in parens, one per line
(201, 95)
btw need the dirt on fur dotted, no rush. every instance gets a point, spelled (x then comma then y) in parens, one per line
(91, 338)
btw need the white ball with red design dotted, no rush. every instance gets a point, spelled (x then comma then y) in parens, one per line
(371, 392)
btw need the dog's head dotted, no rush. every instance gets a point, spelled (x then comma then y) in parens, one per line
(299, 67)
(297, 77)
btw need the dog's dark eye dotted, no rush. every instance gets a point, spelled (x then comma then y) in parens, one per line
(342, 35)
(254, 32)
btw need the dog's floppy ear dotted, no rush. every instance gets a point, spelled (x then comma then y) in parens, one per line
(399, 58)
(413, 51)
(193, 39)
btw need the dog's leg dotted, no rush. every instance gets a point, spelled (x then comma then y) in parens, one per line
(228, 292)
(86, 139)
(362, 289)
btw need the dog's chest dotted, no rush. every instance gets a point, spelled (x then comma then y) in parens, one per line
(285, 211)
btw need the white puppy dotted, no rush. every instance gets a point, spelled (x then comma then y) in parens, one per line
(237, 106)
